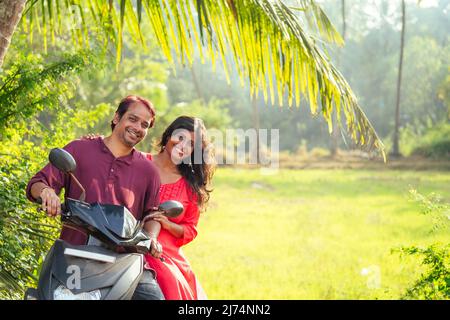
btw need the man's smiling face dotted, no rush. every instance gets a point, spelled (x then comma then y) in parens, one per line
(133, 126)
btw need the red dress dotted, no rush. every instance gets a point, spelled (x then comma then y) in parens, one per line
(174, 274)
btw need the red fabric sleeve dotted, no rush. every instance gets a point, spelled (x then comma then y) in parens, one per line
(189, 223)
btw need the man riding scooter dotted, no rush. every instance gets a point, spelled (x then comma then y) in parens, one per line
(113, 172)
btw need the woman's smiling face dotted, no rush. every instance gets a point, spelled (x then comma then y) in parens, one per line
(180, 145)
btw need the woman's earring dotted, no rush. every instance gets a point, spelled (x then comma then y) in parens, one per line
(192, 168)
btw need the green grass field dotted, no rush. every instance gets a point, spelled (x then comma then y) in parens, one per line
(313, 234)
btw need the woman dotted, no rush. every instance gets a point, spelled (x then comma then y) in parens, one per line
(185, 165)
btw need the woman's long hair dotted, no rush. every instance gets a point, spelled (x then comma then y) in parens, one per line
(198, 169)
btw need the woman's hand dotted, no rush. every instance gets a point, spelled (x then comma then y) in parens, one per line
(175, 229)
(162, 219)
(92, 136)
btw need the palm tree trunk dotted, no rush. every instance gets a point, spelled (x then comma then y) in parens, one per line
(256, 125)
(344, 20)
(335, 133)
(396, 149)
(197, 85)
(10, 14)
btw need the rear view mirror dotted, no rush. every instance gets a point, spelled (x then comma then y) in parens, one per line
(62, 160)
(171, 208)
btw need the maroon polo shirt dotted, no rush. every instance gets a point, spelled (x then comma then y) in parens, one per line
(131, 181)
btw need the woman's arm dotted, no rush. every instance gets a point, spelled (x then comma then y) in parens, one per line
(175, 229)
(186, 230)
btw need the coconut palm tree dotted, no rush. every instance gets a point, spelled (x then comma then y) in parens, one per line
(396, 149)
(271, 45)
(335, 134)
(10, 14)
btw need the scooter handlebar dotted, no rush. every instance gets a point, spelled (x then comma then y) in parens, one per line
(63, 205)
(63, 211)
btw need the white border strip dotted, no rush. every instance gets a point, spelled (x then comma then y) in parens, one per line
(89, 255)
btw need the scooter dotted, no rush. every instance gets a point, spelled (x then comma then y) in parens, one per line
(110, 266)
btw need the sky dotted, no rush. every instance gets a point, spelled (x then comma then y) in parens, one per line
(429, 3)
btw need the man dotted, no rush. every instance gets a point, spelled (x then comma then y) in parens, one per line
(112, 171)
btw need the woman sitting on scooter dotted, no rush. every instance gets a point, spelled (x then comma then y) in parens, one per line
(185, 164)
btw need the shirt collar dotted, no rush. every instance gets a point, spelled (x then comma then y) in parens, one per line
(128, 159)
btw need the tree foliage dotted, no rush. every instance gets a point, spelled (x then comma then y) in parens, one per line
(434, 283)
(269, 45)
(36, 117)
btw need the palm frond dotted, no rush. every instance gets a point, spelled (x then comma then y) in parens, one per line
(318, 19)
(268, 43)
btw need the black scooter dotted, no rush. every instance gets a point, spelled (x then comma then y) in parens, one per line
(110, 266)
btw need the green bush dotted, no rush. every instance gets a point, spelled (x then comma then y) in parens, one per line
(38, 116)
(437, 149)
(434, 283)
(25, 236)
(435, 143)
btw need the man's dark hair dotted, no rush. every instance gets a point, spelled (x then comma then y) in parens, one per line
(129, 100)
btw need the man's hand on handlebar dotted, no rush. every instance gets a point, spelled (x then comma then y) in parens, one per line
(50, 202)
(155, 248)
(153, 228)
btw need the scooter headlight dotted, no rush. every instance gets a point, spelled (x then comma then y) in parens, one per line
(62, 293)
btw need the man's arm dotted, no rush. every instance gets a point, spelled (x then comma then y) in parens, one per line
(47, 184)
(153, 228)
(174, 228)
(37, 188)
